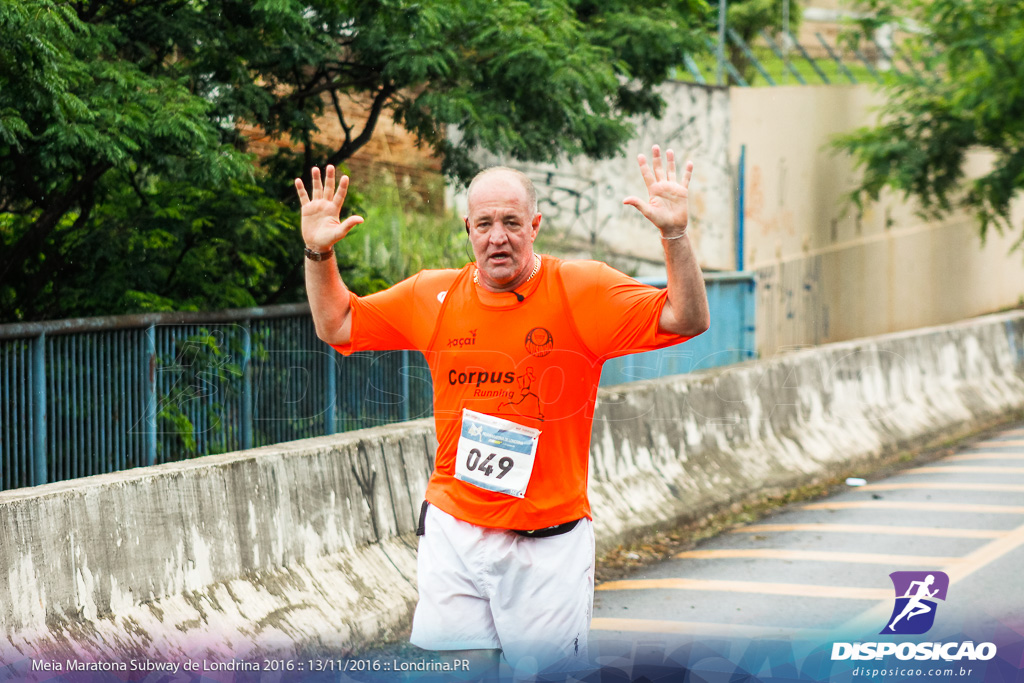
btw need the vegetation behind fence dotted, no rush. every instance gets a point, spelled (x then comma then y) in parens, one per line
(98, 395)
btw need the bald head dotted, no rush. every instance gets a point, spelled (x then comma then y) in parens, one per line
(502, 175)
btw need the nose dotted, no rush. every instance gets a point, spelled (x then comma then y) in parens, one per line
(497, 235)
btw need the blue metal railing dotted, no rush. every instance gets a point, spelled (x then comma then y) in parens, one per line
(94, 395)
(729, 340)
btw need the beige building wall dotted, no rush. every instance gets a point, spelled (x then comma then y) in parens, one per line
(828, 274)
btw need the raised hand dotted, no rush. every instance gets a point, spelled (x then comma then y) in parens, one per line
(321, 216)
(667, 205)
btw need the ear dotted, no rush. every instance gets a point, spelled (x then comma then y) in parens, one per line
(535, 224)
(465, 219)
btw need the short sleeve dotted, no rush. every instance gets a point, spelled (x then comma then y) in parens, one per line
(615, 314)
(400, 317)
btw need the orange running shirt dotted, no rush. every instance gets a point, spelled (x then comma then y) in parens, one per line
(535, 362)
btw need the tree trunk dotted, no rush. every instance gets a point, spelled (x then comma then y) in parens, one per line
(31, 243)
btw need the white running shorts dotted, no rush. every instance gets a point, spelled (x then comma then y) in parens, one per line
(483, 588)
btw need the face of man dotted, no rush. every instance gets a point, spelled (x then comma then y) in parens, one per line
(502, 228)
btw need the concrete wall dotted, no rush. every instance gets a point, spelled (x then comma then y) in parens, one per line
(300, 544)
(827, 274)
(308, 546)
(581, 199)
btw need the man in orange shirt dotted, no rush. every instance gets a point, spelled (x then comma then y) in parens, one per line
(515, 342)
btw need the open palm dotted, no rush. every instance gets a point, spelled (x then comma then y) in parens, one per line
(667, 205)
(321, 216)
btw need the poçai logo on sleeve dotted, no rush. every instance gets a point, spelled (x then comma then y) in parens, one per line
(917, 594)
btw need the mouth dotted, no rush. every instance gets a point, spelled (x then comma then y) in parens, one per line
(500, 258)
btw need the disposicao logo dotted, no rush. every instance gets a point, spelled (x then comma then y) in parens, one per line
(916, 595)
(914, 614)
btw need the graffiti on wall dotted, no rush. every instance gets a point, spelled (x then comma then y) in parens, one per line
(581, 199)
(791, 308)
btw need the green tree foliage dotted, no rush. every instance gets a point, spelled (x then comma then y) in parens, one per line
(971, 96)
(125, 179)
(95, 145)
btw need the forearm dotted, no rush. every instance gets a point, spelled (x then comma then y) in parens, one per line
(329, 301)
(686, 309)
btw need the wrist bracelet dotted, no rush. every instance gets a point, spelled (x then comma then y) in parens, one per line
(319, 255)
(676, 236)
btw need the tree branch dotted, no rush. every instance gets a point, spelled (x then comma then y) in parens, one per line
(352, 146)
(336, 80)
(33, 240)
(138, 190)
(25, 180)
(190, 240)
(55, 263)
(341, 117)
(292, 279)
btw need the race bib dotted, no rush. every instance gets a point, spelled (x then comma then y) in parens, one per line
(495, 454)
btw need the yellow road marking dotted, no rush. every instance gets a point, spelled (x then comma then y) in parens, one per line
(697, 628)
(924, 507)
(962, 469)
(944, 486)
(818, 555)
(986, 554)
(839, 592)
(969, 564)
(995, 442)
(984, 455)
(873, 529)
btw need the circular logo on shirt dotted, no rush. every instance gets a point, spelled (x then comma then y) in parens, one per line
(539, 342)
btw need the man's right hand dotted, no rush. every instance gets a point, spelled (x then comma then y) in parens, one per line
(321, 224)
(329, 299)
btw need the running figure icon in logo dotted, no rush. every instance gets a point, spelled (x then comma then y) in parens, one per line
(528, 404)
(916, 593)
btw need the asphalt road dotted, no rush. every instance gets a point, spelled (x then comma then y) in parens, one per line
(820, 571)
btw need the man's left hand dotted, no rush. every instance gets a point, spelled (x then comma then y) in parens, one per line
(685, 311)
(668, 198)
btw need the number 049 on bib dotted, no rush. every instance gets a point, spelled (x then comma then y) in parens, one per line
(495, 454)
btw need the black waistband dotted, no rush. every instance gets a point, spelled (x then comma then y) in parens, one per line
(556, 530)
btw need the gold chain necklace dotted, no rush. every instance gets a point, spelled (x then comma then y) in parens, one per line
(536, 267)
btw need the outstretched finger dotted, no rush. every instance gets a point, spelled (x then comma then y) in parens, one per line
(687, 173)
(300, 189)
(656, 163)
(329, 182)
(645, 171)
(640, 205)
(670, 166)
(348, 224)
(339, 196)
(318, 187)
(351, 222)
